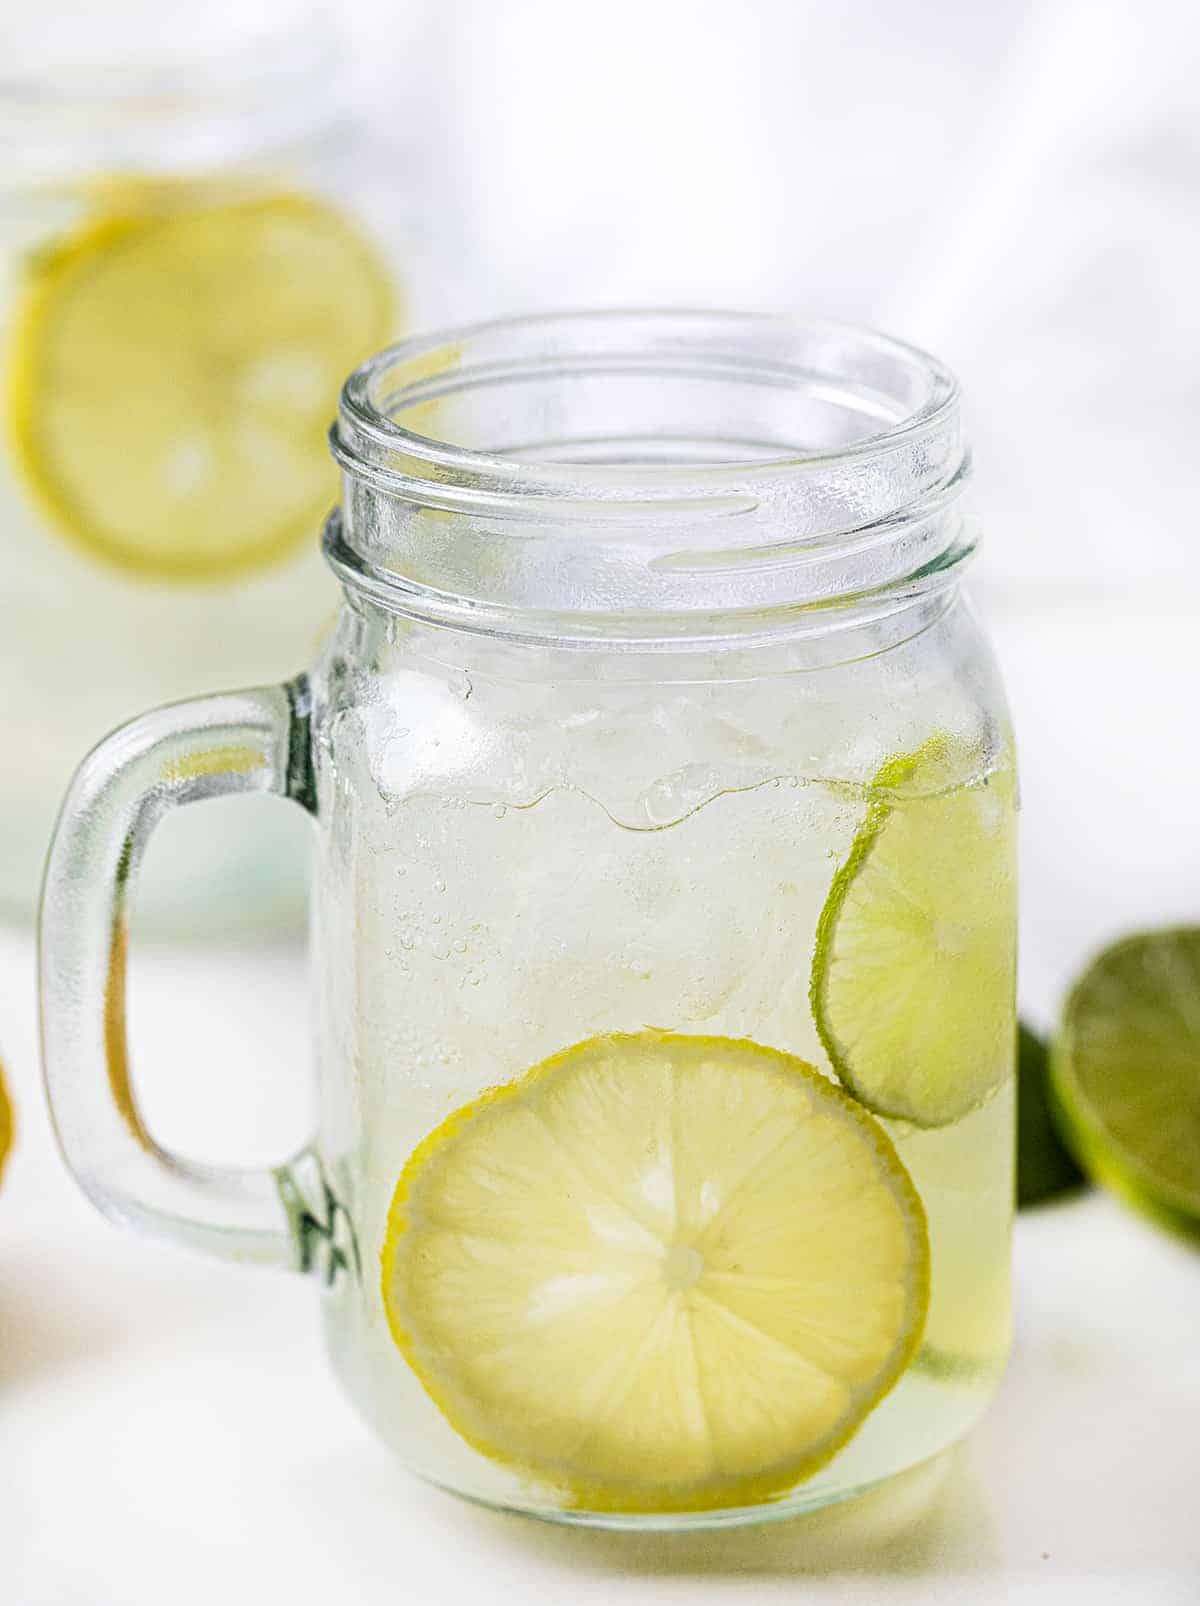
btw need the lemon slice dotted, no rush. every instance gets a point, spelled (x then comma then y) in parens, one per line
(914, 969)
(176, 363)
(661, 1273)
(1125, 1073)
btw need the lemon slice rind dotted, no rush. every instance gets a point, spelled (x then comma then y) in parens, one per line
(6, 1124)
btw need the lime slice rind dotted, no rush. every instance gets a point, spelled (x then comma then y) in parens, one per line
(1125, 1073)
(633, 1346)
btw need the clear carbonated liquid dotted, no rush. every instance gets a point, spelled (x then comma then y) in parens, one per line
(487, 936)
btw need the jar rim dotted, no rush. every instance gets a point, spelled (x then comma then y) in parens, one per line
(368, 415)
(626, 474)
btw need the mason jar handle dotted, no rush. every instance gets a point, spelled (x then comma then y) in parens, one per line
(244, 741)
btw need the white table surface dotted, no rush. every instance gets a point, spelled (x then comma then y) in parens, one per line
(169, 1431)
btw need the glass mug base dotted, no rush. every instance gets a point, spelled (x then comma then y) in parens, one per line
(880, 1508)
(663, 805)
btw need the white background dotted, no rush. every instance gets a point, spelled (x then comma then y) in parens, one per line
(1017, 186)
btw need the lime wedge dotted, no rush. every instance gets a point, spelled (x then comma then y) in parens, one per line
(1125, 1073)
(1046, 1168)
(625, 1273)
(914, 965)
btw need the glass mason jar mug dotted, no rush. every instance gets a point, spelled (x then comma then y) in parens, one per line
(663, 927)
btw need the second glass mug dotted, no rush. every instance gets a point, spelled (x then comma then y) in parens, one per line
(663, 934)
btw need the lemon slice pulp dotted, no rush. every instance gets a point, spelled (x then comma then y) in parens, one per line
(914, 968)
(658, 1272)
(175, 365)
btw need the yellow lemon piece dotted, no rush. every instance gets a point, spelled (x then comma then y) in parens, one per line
(6, 1123)
(660, 1273)
(176, 363)
(914, 968)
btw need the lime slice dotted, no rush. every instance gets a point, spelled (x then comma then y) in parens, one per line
(914, 965)
(1045, 1166)
(1125, 1072)
(661, 1273)
(176, 363)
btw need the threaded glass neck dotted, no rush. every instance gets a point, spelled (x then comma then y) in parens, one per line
(632, 475)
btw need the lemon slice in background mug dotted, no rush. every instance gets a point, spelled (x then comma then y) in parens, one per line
(626, 1273)
(914, 965)
(1125, 1073)
(176, 364)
